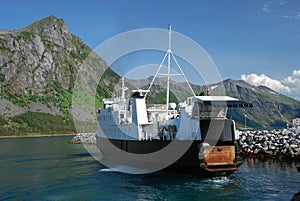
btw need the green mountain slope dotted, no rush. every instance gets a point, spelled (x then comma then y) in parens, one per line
(271, 109)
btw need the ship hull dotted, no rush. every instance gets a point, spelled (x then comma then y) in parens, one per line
(189, 162)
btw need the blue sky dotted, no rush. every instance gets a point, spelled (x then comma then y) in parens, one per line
(257, 40)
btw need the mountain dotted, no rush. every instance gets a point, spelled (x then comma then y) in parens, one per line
(40, 66)
(271, 109)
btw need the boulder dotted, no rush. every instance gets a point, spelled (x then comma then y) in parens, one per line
(84, 138)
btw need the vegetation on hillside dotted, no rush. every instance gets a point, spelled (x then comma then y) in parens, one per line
(37, 123)
(159, 97)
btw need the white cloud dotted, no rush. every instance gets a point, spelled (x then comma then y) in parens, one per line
(264, 80)
(289, 86)
(266, 7)
(282, 8)
(282, 2)
(293, 81)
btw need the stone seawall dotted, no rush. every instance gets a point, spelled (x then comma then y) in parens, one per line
(281, 144)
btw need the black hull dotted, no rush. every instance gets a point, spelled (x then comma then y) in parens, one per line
(188, 163)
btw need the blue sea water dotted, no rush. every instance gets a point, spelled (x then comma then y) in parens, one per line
(48, 168)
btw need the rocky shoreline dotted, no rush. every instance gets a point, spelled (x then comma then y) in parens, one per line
(84, 138)
(278, 144)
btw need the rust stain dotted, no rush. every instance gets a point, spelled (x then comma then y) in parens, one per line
(223, 155)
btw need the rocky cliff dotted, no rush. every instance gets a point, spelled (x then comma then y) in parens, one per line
(38, 57)
(38, 67)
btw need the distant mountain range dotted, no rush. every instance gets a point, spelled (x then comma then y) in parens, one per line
(271, 109)
(38, 67)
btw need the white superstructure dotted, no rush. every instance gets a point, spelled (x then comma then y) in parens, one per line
(133, 120)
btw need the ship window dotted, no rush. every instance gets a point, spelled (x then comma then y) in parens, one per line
(205, 110)
(216, 130)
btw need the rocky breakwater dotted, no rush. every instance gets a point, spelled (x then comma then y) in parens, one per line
(281, 144)
(84, 138)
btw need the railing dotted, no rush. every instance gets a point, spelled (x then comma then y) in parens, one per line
(156, 106)
(117, 99)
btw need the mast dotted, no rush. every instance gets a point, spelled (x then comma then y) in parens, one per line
(170, 55)
(169, 69)
(123, 89)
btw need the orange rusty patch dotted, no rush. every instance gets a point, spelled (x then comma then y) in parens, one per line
(219, 155)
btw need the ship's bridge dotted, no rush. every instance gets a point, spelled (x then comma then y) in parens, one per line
(212, 106)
